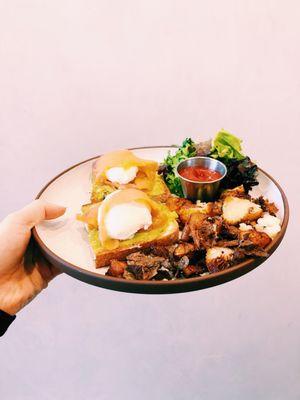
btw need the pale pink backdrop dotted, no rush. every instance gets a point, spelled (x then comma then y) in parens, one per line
(78, 78)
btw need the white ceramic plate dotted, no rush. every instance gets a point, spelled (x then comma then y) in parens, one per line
(64, 241)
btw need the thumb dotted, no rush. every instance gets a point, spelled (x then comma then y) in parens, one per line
(38, 211)
(15, 229)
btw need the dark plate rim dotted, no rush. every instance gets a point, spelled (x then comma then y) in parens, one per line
(244, 266)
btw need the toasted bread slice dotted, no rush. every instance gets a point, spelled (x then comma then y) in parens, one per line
(159, 192)
(164, 231)
(169, 236)
(236, 210)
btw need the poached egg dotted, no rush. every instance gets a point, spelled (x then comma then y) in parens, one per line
(123, 167)
(121, 175)
(122, 214)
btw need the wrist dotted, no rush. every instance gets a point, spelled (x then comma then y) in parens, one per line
(8, 307)
(9, 310)
(8, 301)
(15, 293)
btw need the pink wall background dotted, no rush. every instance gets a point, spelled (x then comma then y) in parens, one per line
(78, 78)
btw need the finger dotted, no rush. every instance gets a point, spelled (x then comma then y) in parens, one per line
(37, 211)
(15, 229)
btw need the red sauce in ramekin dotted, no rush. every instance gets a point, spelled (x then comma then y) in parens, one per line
(199, 174)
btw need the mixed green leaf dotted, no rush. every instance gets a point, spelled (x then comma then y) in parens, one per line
(226, 148)
(240, 172)
(186, 150)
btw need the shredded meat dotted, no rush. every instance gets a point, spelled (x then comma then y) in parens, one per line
(164, 273)
(163, 251)
(267, 206)
(207, 242)
(185, 235)
(184, 249)
(192, 270)
(116, 268)
(241, 253)
(204, 230)
(183, 207)
(238, 254)
(183, 262)
(239, 191)
(143, 266)
(218, 264)
(187, 211)
(254, 239)
(176, 203)
(229, 231)
(143, 260)
(195, 223)
(214, 208)
(258, 252)
(228, 243)
(142, 273)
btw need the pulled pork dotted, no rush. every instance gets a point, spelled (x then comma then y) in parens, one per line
(116, 268)
(203, 230)
(207, 243)
(267, 206)
(143, 266)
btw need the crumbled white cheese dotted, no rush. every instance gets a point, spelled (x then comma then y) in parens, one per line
(244, 227)
(268, 224)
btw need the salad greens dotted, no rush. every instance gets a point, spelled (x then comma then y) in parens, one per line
(240, 169)
(240, 172)
(226, 148)
(186, 150)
